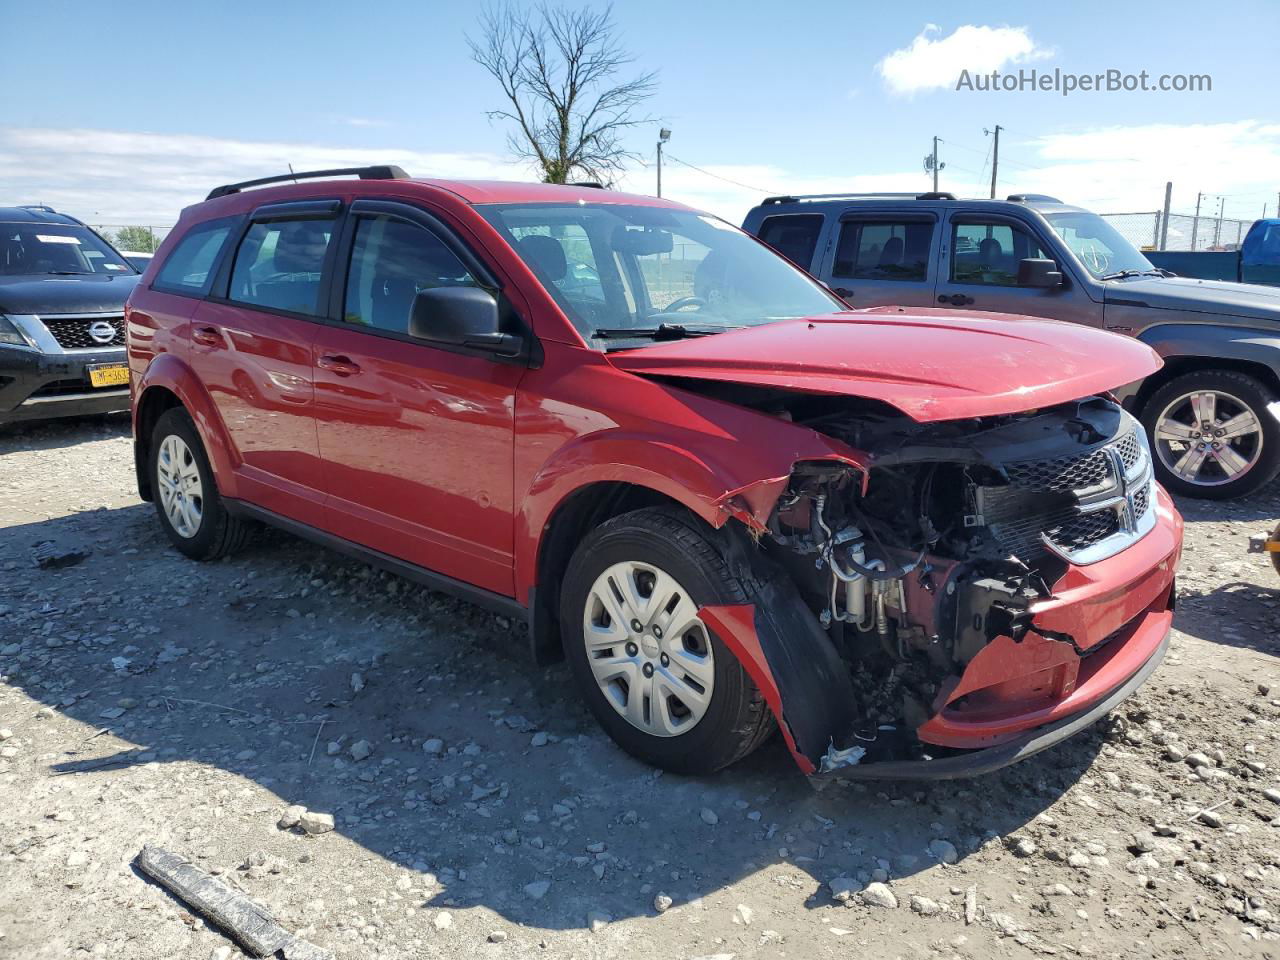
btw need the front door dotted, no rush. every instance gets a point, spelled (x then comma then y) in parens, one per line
(417, 441)
(252, 351)
(979, 271)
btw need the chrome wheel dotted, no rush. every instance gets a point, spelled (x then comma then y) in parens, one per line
(178, 478)
(648, 651)
(1208, 438)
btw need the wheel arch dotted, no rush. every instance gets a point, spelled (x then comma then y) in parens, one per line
(1191, 347)
(169, 382)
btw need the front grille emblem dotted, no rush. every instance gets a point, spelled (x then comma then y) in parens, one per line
(102, 332)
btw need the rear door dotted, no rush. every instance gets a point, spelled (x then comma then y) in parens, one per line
(882, 258)
(979, 271)
(417, 440)
(251, 348)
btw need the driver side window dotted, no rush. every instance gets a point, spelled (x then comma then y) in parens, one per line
(988, 253)
(279, 265)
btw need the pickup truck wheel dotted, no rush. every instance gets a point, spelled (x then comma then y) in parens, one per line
(1212, 434)
(186, 497)
(662, 684)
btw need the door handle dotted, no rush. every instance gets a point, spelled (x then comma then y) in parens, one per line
(955, 299)
(209, 336)
(339, 366)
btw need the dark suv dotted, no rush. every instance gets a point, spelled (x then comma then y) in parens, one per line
(927, 543)
(1212, 411)
(62, 295)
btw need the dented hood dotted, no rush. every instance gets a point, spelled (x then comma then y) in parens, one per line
(930, 364)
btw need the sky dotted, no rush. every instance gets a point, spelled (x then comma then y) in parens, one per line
(128, 113)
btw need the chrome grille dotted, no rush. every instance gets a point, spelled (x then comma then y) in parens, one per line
(72, 333)
(1084, 508)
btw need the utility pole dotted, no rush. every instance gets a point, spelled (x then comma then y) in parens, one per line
(995, 157)
(663, 136)
(1217, 228)
(1195, 224)
(931, 164)
(1164, 222)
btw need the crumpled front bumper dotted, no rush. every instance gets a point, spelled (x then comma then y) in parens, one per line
(1099, 637)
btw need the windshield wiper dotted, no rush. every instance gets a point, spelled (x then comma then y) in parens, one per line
(70, 273)
(663, 331)
(1125, 274)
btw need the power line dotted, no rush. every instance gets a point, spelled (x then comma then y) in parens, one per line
(708, 173)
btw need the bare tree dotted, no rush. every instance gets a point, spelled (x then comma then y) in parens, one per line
(559, 71)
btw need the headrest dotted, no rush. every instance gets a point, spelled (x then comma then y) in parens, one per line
(546, 254)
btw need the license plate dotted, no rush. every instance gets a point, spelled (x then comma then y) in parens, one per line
(109, 375)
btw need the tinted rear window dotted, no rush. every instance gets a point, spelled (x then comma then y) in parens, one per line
(795, 236)
(189, 266)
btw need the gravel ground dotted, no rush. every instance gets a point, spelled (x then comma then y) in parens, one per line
(479, 812)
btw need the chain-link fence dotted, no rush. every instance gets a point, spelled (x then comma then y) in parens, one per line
(134, 237)
(1185, 232)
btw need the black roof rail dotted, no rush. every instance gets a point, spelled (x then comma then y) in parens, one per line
(592, 184)
(380, 172)
(769, 201)
(1031, 198)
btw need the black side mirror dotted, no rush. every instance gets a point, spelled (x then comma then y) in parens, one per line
(462, 317)
(1034, 272)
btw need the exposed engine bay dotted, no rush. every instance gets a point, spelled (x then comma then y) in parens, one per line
(946, 542)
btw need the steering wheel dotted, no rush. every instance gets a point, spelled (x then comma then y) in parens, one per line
(683, 302)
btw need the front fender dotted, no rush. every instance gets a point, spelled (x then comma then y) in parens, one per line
(713, 490)
(1221, 341)
(172, 373)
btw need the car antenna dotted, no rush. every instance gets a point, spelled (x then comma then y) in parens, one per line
(290, 166)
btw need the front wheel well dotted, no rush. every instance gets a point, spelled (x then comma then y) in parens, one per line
(151, 407)
(579, 514)
(1177, 366)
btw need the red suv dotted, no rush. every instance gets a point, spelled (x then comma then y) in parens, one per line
(925, 542)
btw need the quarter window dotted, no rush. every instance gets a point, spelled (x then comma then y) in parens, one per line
(988, 253)
(280, 263)
(188, 267)
(883, 250)
(795, 236)
(391, 262)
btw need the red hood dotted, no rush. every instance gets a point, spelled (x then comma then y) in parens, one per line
(930, 364)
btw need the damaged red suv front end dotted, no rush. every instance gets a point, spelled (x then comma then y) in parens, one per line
(986, 585)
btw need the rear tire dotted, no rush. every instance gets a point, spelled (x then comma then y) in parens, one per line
(678, 699)
(192, 513)
(1190, 413)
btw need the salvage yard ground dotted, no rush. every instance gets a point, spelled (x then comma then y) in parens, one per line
(478, 811)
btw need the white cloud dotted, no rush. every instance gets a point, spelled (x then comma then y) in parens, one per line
(112, 177)
(932, 61)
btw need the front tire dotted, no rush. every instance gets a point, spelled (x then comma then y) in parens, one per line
(1212, 435)
(192, 513)
(663, 685)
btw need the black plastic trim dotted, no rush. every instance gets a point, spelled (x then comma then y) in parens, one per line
(995, 758)
(496, 602)
(379, 172)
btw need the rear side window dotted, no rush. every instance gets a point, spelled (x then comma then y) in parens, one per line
(280, 263)
(883, 250)
(189, 266)
(391, 262)
(795, 236)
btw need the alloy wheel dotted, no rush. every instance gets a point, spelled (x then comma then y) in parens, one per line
(181, 494)
(648, 651)
(1208, 437)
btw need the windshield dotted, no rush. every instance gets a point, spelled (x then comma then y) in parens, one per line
(1098, 245)
(42, 248)
(615, 268)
